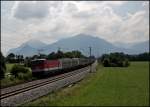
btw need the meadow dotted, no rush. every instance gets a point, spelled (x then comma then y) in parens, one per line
(108, 86)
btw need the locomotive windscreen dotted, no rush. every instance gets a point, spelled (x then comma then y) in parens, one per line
(39, 63)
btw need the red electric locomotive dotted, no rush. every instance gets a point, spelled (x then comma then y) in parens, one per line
(42, 67)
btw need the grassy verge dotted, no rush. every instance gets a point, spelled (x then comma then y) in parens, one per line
(10, 80)
(107, 87)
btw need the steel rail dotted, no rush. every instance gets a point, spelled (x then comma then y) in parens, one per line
(24, 89)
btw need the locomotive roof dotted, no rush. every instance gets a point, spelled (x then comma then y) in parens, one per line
(38, 59)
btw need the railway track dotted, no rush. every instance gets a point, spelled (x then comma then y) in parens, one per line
(42, 83)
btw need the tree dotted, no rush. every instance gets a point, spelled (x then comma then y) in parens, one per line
(51, 56)
(35, 57)
(59, 54)
(68, 55)
(106, 62)
(11, 58)
(114, 60)
(3, 66)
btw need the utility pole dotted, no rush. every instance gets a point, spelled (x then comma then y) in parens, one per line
(90, 59)
(59, 48)
(39, 51)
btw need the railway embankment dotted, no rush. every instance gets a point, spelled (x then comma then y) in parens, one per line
(23, 93)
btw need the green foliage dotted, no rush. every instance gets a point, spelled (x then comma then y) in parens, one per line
(114, 60)
(60, 54)
(51, 56)
(12, 58)
(3, 66)
(106, 62)
(27, 62)
(16, 69)
(140, 57)
(25, 76)
(126, 63)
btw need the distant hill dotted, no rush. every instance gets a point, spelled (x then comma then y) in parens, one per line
(80, 42)
(28, 49)
(139, 47)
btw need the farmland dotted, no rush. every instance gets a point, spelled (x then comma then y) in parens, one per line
(108, 86)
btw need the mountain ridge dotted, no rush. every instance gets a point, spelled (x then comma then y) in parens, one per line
(80, 42)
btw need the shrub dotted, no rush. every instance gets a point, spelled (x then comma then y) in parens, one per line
(25, 76)
(106, 62)
(126, 63)
(114, 60)
(16, 69)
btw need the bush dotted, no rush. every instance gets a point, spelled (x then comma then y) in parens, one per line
(126, 63)
(106, 62)
(16, 69)
(25, 76)
(114, 60)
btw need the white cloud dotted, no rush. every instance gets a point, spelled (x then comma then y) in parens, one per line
(145, 3)
(50, 21)
(27, 10)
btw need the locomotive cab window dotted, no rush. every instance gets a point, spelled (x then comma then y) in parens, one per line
(37, 62)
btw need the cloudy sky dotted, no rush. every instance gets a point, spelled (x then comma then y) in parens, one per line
(49, 21)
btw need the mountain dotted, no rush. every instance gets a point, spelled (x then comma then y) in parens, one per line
(134, 47)
(28, 48)
(141, 47)
(35, 44)
(80, 42)
(123, 45)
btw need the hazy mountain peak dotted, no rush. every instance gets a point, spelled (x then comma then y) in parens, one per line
(34, 43)
(79, 42)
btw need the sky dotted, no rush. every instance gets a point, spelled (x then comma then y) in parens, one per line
(50, 21)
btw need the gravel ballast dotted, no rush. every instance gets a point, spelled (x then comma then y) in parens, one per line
(43, 90)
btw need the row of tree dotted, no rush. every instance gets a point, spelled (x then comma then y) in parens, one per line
(120, 59)
(140, 57)
(114, 60)
(12, 58)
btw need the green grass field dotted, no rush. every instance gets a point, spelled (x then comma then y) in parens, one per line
(9, 67)
(107, 87)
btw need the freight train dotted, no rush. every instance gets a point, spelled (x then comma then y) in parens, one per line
(44, 67)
